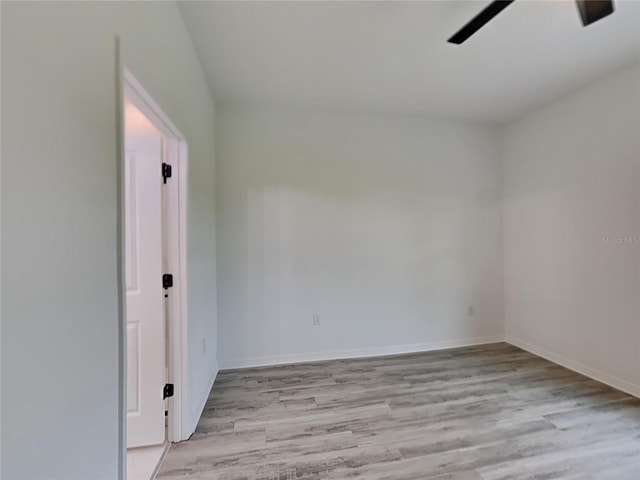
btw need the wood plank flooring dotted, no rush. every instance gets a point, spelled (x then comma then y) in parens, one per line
(491, 412)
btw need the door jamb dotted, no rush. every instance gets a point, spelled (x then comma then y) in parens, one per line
(176, 260)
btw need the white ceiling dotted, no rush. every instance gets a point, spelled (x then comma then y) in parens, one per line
(136, 122)
(393, 56)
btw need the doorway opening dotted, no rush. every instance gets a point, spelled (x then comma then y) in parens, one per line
(154, 199)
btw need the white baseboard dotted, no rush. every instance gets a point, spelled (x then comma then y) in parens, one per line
(581, 368)
(250, 362)
(163, 455)
(196, 418)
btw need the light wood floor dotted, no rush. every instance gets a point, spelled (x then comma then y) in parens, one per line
(480, 413)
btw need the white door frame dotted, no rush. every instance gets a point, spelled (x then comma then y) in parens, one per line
(176, 260)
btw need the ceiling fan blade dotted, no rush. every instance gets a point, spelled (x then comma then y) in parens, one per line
(593, 10)
(490, 11)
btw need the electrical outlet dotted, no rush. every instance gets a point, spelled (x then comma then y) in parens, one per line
(470, 311)
(204, 346)
(316, 319)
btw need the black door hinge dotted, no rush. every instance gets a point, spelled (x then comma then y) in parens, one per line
(167, 281)
(167, 391)
(166, 172)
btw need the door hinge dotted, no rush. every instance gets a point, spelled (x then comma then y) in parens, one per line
(167, 391)
(167, 281)
(166, 172)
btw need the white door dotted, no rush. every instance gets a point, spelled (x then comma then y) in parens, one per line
(145, 302)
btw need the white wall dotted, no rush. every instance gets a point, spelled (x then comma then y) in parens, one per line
(59, 212)
(572, 181)
(388, 227)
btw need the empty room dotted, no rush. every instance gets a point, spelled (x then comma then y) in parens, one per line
(258, 240)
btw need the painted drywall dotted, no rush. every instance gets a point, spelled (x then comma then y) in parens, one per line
(59, 212)
(572, 230)
(389, 228)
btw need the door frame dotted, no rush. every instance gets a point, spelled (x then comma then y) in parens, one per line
(175, 228)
